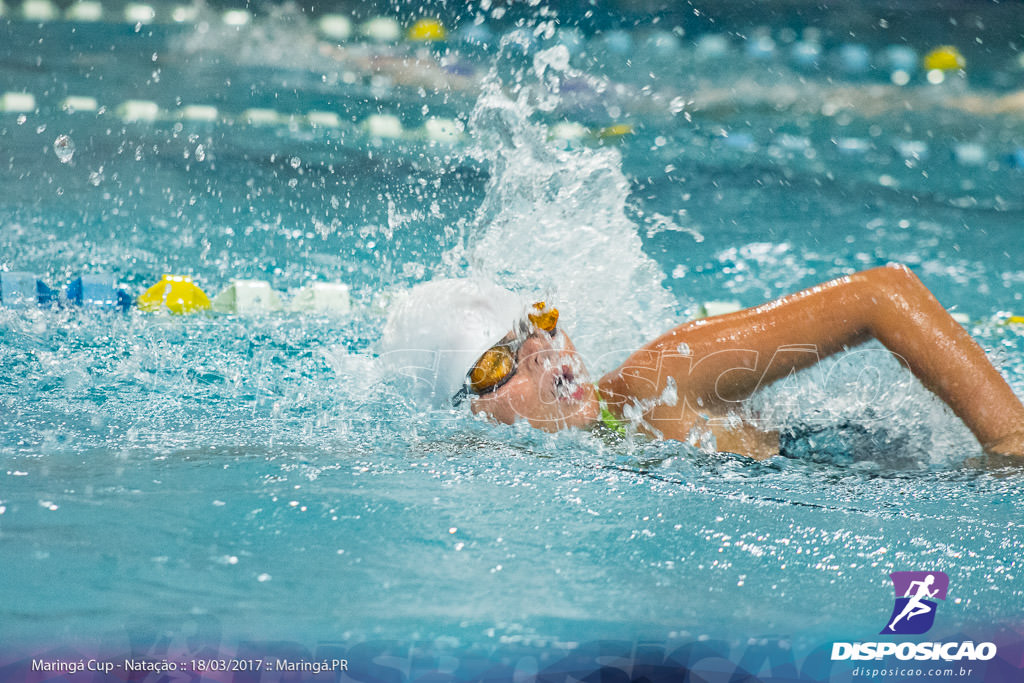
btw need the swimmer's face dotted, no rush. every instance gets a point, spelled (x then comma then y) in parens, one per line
(550, 389)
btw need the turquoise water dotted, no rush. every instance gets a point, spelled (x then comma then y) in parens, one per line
(233, 478)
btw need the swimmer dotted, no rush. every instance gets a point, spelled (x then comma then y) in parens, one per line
(459, 341)
(914, 606)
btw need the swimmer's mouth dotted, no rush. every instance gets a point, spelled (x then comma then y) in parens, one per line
(566, 386)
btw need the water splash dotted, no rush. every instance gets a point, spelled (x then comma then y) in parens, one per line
(554, 221)
(64, 148)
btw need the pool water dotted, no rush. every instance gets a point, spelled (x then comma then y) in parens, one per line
(220, 479)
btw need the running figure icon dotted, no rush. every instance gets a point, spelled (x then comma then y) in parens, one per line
(916, 594)
(915, 607)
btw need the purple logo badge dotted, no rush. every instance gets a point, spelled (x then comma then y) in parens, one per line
(914, 611)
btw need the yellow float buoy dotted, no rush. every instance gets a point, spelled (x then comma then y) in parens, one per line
(427, 30)
(177, 293)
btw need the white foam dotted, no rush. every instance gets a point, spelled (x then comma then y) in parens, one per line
(553, 222)
(568, 130)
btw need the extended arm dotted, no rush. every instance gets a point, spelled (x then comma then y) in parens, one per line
(718, 361)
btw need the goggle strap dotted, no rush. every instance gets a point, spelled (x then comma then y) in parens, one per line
(459, 397)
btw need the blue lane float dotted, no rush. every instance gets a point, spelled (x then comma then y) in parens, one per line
(617, 42)
(21, 289)
(476, 34)
(662, 44)
(854, 59)
(97, 291)
(572, 39)
(901, 58)
(760, 47)
(806, 54)
(742, 141)
(711, 46)
(899, 61)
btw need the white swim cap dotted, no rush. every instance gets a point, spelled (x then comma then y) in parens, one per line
(438, 329)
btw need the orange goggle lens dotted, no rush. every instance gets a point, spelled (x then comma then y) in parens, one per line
(497, 363)
(545, 318)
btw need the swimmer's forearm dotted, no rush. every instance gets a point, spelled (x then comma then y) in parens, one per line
(911, 323)
(723, 360)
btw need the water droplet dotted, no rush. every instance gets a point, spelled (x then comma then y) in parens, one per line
(200, 153)
(295, 162)
(64, 148)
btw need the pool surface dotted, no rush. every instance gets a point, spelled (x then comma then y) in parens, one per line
(247, 487)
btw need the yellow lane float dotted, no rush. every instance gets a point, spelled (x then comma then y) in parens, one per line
(427, 30)
(177, 293)
(944, 58)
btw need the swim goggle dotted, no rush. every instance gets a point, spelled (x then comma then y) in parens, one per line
(498, 364)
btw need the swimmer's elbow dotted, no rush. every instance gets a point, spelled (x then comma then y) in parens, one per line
(898, 266)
